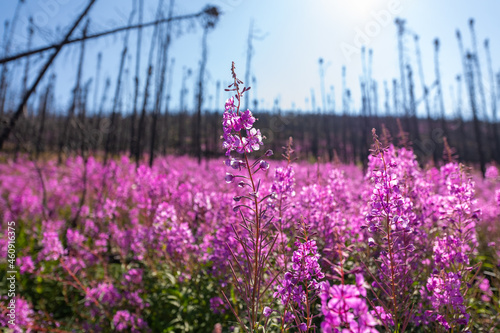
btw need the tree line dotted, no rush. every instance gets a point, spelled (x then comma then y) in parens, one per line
(151, 128)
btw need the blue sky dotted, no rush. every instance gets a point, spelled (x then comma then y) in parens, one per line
(292, 36)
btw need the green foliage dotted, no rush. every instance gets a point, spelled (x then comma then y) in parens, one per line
(180, 303)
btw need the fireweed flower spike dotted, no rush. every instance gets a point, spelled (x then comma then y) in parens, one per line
(300, 286)
(344, 306)
(251, 276)
(449, 283)
(390, 222)
(234, 122)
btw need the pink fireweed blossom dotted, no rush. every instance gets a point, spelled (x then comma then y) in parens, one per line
(52, 246)
(233, 122)
(25, 264)
(394, 226)
(345, 310)
(452, 251)
(447, 299)
(123, 320)
(283, 184)
(305, 272)
(133, 276)
(300, 285)
(484, 286)
(23, 319)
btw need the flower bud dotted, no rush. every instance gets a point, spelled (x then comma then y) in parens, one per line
(267, 311)
(263, 165)
(229, 178)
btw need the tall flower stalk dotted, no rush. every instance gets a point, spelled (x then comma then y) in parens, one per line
(391, 221)
(300, 286)
(283, 191)
(250, 269)
(453, 273)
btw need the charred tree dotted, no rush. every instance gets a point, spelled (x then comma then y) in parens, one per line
(66, 139)
(461, 127)
(493, 97)
(182, 117)
(42, 113)
(166, 113)
(345, 111)
(162, 63)
(101, 124)
(110, 147)
(401, 31)
(133, 138)
(477, 67)
(439, 94)
(208, 22)
(412, 106)
(472, 100)
(5, 69)
(425, 89)
(325, 119)
(142, 119)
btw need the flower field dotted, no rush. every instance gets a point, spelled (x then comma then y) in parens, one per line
(251, 244)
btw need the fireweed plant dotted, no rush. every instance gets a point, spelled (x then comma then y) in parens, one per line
(283, 190)
(453, 273)
(254, 231)
(391, 221)
(300, 286)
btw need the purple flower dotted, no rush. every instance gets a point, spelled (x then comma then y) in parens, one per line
(229, 178)
(263, 165)
(75, 238)
(123, 320)
(133, 276)
(305, 272)
(449, 251)
(484, 286)
(25, 264)
(232, 125)
(230, 104)
(254, 140)
(52, 246)
(288, 316)
(247, 119)
(446, 298)
(267, 311)
(24, 315)
(344, 306)
(217, 305)
(104, 293)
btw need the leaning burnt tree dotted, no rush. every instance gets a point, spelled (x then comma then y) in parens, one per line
(56, 48)
(162, 62)
(13, 120)
(208, 23)
(67, 138)
(472, 99)
(110, 147)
